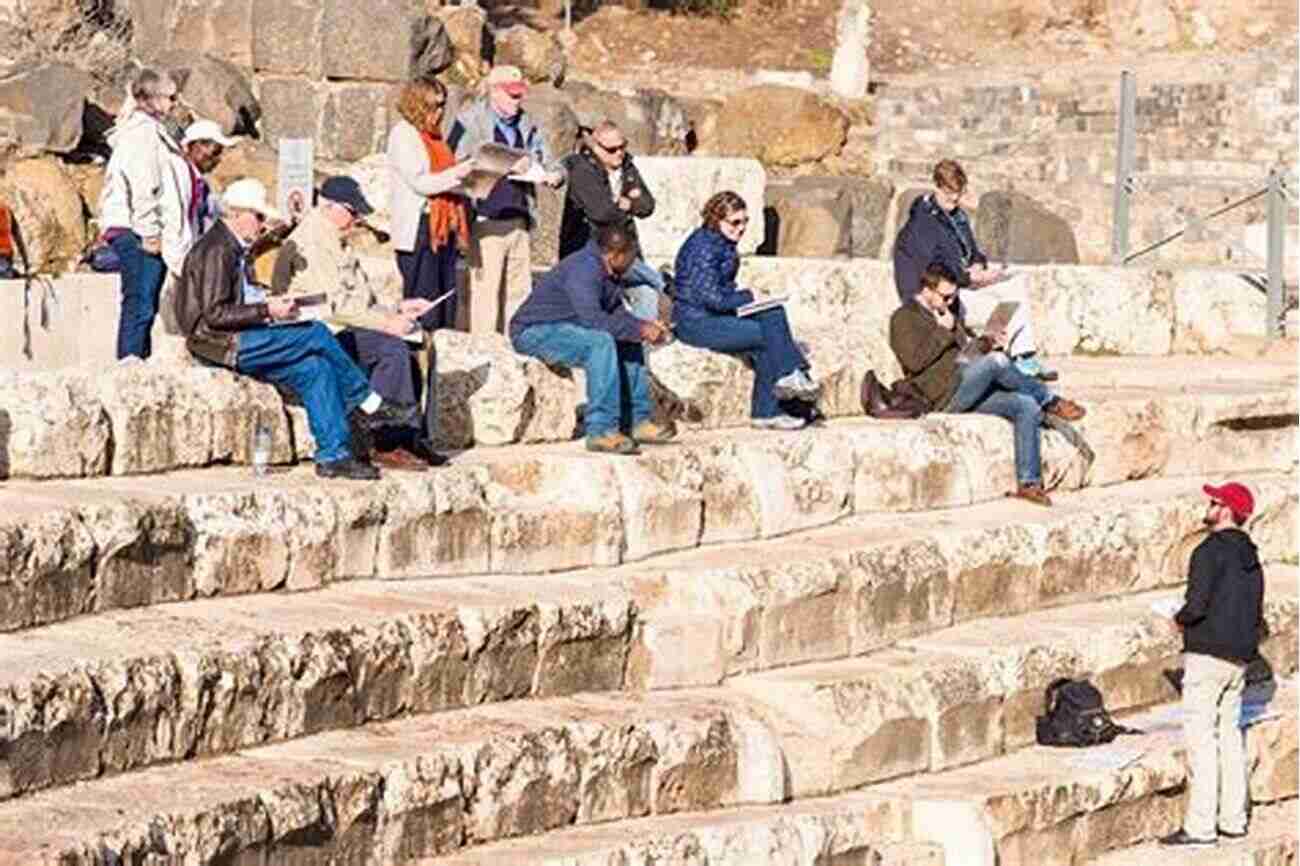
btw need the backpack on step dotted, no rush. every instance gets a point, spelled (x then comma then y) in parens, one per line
(1074, 714)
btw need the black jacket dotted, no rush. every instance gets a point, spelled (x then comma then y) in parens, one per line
(590, 203)
(1224, 612)
(209, 303)
(929, 236)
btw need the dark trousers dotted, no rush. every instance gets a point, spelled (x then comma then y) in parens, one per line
(764, 336)
(429, 275)
(387, 361)
(142, 279)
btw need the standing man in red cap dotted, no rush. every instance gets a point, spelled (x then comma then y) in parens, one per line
(1222, 622)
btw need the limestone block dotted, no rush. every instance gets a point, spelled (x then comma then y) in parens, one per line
(732, 508)
(1209, 310)
(1012, 227)
(907, 466)
(53, 426)
(897, 589)
(48, 209)
(435, 525)
(222, 29)
(293, 107)
(995, 571)
(811, 128)
(355, 120)
(287, 39)
(582, 645)
(867, 200)
(347, 38)
(241, 541)
(142, 552)
(682, 186)
(1101, 311)
(663, 489)
(53, 95)
(806, 222)
(214, 89)
(554, 513)
(48, 568)
(537, 53)
(798, 482)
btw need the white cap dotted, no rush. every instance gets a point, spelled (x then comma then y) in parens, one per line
(205, 130)
(249, 193)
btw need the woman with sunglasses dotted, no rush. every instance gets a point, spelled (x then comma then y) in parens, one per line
(704, 314)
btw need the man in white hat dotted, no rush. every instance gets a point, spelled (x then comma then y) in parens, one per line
(500, 256)
(204, 144)
(227, 319)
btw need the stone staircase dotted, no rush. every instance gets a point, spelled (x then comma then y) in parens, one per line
(815, 648)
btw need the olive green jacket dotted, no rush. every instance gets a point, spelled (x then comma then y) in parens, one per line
(927, 351)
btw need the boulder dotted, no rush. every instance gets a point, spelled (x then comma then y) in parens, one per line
(464, 26)
(352, 33)
(53, 95)
(248, 158)
(431, 50)
(654, 122)
(812, 221)
(47, 207)
(868, 201)
(682, 185)
(214, 89)
(810, 128)
(1012, 227)
(538, 54)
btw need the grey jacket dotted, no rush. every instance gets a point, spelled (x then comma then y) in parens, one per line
(474, 128)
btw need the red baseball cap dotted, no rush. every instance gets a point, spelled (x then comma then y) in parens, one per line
(1233, 496)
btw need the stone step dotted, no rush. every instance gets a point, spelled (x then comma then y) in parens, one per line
(138, 418)
(970, 693)
(128, 689)
(439, 785)
(1059, 807)
(849, 829)
(93, 544)
(1272, 842)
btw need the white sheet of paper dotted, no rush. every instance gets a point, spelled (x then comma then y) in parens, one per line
(535, 174)
(1167, 607)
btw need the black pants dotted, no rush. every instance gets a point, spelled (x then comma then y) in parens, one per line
(429, 275)
(393, 374)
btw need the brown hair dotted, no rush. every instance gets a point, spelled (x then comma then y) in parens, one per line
(934, 274)
(950, 176)
(420, 104)
(720, 206)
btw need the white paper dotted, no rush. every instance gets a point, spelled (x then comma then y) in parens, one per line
(1167, 607)
(760, 305)
(294, 180)
(535, 174)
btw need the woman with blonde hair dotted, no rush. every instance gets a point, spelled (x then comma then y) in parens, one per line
(704, 314)
(430, 219)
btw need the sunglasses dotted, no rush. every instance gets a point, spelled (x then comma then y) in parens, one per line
(737, 222)
(614, 149)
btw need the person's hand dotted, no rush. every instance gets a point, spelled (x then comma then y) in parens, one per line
(522, 166)
(998, 337)
(653, 332)
(414, 308)
(633, 194)
(152, 246)
(624, 203)
(462, 170)
(946, 318)
(280, 309)
(397, 325)
(554, 179)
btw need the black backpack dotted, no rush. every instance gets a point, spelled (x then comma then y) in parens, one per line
(1074, 714)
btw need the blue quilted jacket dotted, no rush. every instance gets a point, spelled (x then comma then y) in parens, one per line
(704, 278)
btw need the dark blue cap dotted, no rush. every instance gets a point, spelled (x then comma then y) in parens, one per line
(346, 191)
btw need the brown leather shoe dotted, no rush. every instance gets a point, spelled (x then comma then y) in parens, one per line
(650, 433)
(613, 442)
(399, 458)
(1033, 493)
(1067, 410)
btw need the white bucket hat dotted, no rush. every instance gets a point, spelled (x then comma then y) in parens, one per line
(249, 193)
(206, 130)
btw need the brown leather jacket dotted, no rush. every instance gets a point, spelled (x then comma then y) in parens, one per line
(209, 305)
(927, 351)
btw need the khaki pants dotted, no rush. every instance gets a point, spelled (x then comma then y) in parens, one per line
(500, 275)
(1216, 751)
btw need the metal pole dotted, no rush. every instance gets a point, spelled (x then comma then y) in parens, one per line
(1125, 158)
(1276, 226)
(568, 16)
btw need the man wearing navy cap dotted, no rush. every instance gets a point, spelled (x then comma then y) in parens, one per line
(1222, 623)
(316, 259)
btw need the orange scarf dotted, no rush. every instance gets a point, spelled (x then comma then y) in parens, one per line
(447, 213)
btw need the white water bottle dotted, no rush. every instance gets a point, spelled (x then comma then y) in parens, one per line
(261, 447)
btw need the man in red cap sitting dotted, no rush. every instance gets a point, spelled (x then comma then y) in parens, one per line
(1222, 623)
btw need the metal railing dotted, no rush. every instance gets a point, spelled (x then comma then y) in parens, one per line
(1278, 188)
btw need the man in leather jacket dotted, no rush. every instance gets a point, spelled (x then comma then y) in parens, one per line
(228, 320)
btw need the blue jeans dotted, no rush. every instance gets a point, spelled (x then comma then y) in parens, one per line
(643, 285)
(142, 279)
(307, 360)
(764, 336)
(992, 385)
(613, 368)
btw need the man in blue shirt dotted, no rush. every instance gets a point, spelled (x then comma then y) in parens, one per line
(575, 317)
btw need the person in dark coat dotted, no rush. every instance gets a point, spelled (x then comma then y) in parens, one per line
(1222, 623)
(938, 231)
(605, 188)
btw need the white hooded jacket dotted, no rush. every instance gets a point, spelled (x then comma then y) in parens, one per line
(147, 187)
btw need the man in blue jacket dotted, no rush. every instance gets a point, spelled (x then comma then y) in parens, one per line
(1222, 622)
(939, 231)
(575, 317)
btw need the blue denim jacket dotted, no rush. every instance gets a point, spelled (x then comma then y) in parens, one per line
(705, 277)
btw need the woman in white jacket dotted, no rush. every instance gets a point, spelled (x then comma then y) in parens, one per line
(430, 219)
(141, 211)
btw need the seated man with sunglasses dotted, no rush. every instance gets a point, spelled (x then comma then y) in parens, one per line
(316, 259)
(228, 320)
(605, 188)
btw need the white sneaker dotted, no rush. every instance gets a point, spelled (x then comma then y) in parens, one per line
(795, 386)
(778, 422)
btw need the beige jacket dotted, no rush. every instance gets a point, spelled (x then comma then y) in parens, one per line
(314, 259)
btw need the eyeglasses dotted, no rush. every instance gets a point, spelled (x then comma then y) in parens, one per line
(737, 222)
(617, 148)
(170, 97)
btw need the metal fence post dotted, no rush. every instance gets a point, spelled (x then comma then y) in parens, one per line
(1124, 164)
(1276, 227)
